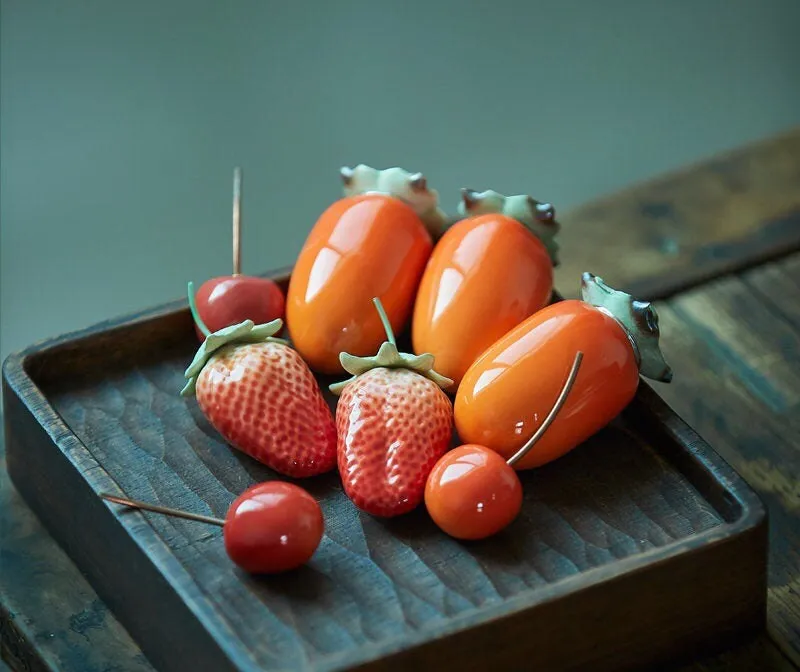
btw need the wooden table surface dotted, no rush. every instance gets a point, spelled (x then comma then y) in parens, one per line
(717, 245)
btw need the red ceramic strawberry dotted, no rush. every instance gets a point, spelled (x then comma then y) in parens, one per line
(260, 395)
(393, 423)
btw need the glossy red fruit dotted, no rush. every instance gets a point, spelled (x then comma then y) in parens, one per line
(472, 493)
(273, 527)
(260, 395)
(231, 299)
(393, 423)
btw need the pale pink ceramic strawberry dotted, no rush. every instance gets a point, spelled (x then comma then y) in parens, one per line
(393, 423)
(260, 395)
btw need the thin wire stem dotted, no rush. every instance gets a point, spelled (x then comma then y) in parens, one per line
(162, 509)
(560, 401)
(237, 221)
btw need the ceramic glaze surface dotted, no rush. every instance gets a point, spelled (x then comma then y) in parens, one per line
(509, 390)
(361, 247)
(486, 275)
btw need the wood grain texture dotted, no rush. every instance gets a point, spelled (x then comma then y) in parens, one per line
(735, 347)
(102, 412)
(51, 619)
(66, 627)
(666, 235)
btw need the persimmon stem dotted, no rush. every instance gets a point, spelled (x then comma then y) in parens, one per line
(560, 401)
(385, 321)
(134, 504)
(237, 221)
(195, 315)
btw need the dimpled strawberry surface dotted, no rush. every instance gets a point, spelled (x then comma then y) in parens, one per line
(393, 426)
(264, 400)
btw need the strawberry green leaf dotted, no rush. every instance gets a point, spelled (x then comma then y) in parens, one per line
(388, 357)
(242, 333)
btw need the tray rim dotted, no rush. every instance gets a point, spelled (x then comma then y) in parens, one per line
(752, 512)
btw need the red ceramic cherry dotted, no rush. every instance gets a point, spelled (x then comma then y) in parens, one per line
(472, 492)
(270, 528)
(273, 527)
(231, 299)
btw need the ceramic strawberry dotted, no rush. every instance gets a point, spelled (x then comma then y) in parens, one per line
(393, 423)
(260, 395)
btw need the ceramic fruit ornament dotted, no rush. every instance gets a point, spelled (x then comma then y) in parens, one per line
(270, 528)
(489, 272)
(374, 241)
(231, 299)
(473, 492)
(393, 422)
(505, 394)
(260, 395)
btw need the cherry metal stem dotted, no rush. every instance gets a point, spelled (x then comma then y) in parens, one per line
(162, 509)
(237, 221)
(562, 398)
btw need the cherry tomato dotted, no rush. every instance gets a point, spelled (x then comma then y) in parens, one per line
(472, 493)
(363, 246)
(272, 527)
(506, 394)
(485, 276)
(231, 299)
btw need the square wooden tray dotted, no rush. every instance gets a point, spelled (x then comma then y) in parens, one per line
(641, 546)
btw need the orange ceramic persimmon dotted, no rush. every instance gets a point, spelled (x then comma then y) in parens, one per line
(374, 242)
(489, 272)
(506, 393)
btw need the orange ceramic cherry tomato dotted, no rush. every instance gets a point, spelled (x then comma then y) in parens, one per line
(486, 275)
(510, 388)
(507, 393)
(472, 493)
(363, 246)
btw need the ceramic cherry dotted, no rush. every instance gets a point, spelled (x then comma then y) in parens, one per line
(489, 272)
(505, 394)
(270, 528)
(472, 492)
(231, 299)
(373, 242)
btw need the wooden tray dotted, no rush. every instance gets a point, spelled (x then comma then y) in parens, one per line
(640, 546)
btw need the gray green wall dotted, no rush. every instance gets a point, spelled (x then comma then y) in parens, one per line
(121, 121)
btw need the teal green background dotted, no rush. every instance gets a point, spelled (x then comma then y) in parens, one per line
(121, 122)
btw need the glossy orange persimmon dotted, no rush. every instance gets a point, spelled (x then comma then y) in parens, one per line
(506, 394)
(364, 246)
(472, 493)
(486, 275)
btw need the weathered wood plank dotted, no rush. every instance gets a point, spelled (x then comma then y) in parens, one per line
(758, 655)
(51, 620)
(681, 229)
(735, 348)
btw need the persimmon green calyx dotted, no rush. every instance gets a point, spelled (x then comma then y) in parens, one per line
(538, 217)
(388, 357)
(246, 332)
